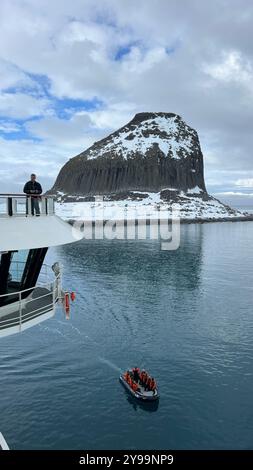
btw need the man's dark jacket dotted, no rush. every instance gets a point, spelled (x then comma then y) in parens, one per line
(32, 187)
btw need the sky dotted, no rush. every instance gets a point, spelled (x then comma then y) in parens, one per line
(72, 72)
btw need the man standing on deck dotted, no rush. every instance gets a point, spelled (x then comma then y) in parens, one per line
(33, 189)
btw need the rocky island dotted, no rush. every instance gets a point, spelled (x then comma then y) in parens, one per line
(155, 160)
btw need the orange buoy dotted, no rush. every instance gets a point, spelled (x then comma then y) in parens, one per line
(66, 304)
(72, 296)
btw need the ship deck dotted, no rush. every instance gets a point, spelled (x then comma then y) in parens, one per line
(39, 303)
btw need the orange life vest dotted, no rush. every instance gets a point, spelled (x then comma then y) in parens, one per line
(145, 377)
(153, 385)
(149, 383)
(134, 386)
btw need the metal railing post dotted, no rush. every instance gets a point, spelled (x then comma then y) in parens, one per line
(54, 296)
(20, 311)
(29, 205)
(43, 206)
(9, 205)
(13, 208)
(28, 307)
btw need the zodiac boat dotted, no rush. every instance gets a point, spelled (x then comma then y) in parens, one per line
(140, 393)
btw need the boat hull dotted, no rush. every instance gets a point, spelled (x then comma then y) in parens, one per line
(138, 395)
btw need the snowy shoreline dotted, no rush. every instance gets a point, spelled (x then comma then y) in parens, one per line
(193, 206)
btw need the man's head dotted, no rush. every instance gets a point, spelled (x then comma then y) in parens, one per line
(33, 177)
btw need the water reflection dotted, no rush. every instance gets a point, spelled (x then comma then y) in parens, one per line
(140, 259)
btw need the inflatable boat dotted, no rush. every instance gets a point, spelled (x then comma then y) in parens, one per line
(140, 393)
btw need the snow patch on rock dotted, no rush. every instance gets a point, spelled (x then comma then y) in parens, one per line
(164, 132)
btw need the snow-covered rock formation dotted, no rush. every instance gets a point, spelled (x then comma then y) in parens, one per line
(152, 152)
(154, 161)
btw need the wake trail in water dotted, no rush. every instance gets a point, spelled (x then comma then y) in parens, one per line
(70, 325)
(57, 331)
(110, 364)
(78, 331)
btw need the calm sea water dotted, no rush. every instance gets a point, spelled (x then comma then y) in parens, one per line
(186, 316)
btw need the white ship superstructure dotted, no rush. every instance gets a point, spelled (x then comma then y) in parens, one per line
(29, 289)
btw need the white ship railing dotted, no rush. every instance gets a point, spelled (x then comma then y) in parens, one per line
(41, 299)
(16, 205)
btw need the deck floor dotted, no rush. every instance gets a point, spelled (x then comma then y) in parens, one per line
(36, 301)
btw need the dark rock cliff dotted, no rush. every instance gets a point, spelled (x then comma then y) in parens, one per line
(152, 152)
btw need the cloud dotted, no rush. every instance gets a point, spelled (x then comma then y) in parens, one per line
(9, 127)
(19, 158)
(245, 183)
(113, 116)
(235, 193)
(166, 56)
(12, 76)
(21, 106)
(81, 129)
(76, 132)
(232, 68)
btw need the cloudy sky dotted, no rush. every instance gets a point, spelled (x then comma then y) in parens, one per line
(73, 71)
